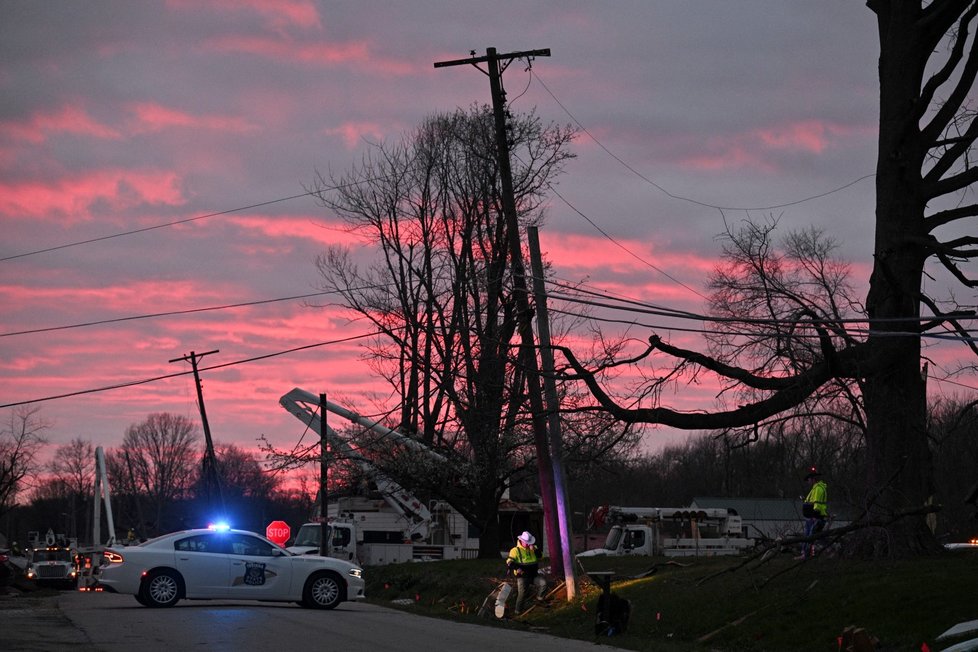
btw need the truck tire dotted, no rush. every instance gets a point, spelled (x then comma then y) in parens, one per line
(323, 591)
(161, 588)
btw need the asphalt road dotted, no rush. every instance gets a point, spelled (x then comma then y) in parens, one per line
(115, 623)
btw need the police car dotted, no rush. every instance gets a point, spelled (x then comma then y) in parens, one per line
(221, 563)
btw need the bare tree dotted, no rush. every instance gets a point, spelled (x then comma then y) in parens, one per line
(927, 67)
(158, 458)
(441, 297)
(21, 440)
(73, 469)
(74, 465)
(241, 474)
(760, 293)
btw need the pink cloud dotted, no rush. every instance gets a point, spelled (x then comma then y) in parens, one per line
(732, 156)
(353, 133)
(154, 117)
(312, 228)
(148, 296)
(280, 49)
(809, 136)
(316, 53)
(621, 255)
(68, 119)
(752, 149)
(279, 14)
(71, 197)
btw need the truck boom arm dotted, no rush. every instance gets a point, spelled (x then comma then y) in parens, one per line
(304, 406)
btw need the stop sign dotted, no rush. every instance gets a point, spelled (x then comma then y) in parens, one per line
(278, 532)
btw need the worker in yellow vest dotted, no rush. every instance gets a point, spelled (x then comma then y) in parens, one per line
(524, 563)
(815, 509)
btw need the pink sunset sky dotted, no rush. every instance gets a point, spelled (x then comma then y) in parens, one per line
(120, 117)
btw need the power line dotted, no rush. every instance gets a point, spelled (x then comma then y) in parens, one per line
(154, 315)
(186, 311)
(680, 197)
(152, 228)
(154, 379)
(308, 193)
(623, 247)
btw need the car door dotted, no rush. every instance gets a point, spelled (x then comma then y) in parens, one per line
(259, 569)
(203, 562)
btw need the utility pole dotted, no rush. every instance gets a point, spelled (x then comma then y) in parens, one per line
(212, 480)
(553, 413)
(527, 348)
(323, 525)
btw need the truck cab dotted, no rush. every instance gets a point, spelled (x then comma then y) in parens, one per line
(53, 565)
(341, 536)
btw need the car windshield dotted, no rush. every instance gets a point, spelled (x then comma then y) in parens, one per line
(309, 536)
(51, 555)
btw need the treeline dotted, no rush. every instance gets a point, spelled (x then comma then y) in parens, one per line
(157, 483)
(771, 463)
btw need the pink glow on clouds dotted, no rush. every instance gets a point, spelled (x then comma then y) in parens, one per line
(148, 295)
(69, 119)
(280, 14)
(154, 117)
(622, 255)
(755, 148)
(313, 228)
(809, 136)
(70, 198)
(327, 54)
(354, 133)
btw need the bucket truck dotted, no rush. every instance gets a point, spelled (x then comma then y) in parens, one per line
(51, 560)
(669, 531)
(396, 527)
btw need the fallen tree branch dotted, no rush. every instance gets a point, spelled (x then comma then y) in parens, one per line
(835, 534)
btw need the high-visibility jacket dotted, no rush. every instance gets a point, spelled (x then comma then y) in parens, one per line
(523, 559)
(818, 496)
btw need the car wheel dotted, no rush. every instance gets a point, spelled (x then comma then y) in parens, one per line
(161, 589)
(323, 591)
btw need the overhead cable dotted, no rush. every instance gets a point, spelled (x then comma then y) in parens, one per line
(154, 379)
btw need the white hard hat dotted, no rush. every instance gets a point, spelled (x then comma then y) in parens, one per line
(527, 538)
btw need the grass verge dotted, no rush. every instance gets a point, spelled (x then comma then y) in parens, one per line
(711, 604)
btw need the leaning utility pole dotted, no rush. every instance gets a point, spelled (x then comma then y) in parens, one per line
(527, 348)
(212, 481)
(553, 412)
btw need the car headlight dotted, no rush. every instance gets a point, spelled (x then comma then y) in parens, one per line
(356, 572)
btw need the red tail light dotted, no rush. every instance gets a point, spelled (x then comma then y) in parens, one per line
(112, 557)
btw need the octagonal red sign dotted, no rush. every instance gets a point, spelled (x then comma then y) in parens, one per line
(278, 532)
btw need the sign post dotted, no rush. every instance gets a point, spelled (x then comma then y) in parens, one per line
(278, 532)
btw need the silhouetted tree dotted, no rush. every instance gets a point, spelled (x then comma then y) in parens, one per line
(158, 460)
(927, 68)
(440, 295)
(21, 440)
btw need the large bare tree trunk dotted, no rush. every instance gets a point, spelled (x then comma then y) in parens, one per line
(900, 474)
